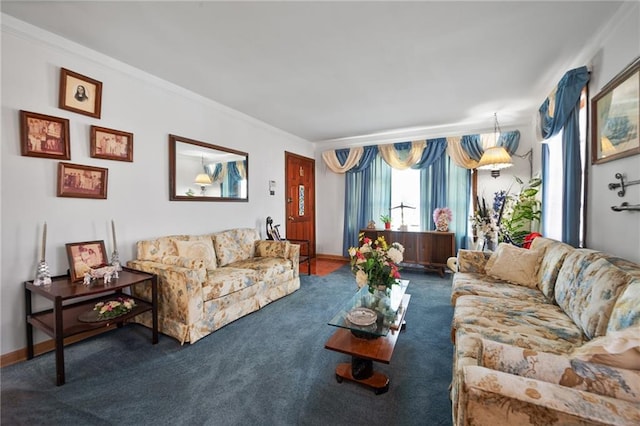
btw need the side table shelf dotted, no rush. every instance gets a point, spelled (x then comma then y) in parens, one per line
(61, 321)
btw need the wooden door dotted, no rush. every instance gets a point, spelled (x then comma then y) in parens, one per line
(300, 202)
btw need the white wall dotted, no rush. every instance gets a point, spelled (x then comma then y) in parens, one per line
(614, 232)
(138, 194)
(617, 233)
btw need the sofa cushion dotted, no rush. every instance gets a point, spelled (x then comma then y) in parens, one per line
(587, 289)
(626, 311)
(468, 283)
(235, 245)
(552, 260)
(223, 281)
(198, 248)
(524, 323)
(618, 349)
(266, 268)
(514, 264)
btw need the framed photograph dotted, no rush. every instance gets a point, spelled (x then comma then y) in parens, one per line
(615, 115)
(111, 144)
(79, 93)
(85, 256)
(44, 136)
(78, 181)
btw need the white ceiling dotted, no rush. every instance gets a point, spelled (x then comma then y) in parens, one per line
(325, 70)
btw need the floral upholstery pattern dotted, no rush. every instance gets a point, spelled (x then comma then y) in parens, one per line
(554, 254)
(625, 311)
(472, 260)
(562, 370)
(471, 283)
(194, 301)
(588, 290)
(513, 356)
(494, 397)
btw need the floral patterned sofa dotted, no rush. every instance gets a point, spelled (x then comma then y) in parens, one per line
(208, 281)
(549, 335)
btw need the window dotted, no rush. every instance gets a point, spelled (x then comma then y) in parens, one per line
(405, 189)
(552, 210)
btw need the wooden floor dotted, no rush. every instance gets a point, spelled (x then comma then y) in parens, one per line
(322, 266)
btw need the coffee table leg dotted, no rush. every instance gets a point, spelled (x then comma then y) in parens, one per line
(377, 381)
(361, 368)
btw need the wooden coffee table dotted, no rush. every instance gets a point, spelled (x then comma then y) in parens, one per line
(377, 347)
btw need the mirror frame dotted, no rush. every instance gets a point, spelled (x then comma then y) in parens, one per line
(173, 196)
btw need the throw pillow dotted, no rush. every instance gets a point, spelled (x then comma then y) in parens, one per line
(618, 349)
(514, 264)
(198, 249)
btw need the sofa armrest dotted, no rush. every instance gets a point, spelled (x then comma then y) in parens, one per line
(294, 257)
(179, 289)
(472, 260)
(562, 370)
(491, 397)
(272, 248)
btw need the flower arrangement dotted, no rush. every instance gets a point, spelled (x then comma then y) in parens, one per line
(375, 263)
(441, 217)
(114, 308)
(485, 221)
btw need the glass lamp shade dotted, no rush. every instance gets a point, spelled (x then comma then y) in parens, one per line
(203, 179)
(495, 159)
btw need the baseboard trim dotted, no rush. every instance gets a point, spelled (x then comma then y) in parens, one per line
(332, 257)
(47, 346)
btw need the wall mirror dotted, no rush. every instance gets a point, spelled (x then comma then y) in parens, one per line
(199, 171)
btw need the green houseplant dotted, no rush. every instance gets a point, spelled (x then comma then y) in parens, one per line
(387, 221)
(522, 212)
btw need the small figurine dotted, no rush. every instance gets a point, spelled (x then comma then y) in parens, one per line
(371, 224)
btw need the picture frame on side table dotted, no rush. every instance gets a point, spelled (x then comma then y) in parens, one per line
(79, 181)
(615, 117)
(111, 144)
(84, 257)
(44, 136)
(79, 93)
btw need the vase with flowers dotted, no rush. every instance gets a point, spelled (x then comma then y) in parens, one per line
(375, 264)
(442, 216)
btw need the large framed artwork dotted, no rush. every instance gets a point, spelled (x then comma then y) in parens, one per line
(79, 93)
(44, 136)
(79, 181)
(615, 116)
(85, 256)
(111, 144)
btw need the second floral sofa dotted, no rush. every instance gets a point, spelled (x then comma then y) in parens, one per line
(208, 281)
(549, 335)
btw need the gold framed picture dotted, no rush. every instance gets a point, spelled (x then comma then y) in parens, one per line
(79, 181)
(111, 144)
(79, 93)
(615, 116)
(44, 136)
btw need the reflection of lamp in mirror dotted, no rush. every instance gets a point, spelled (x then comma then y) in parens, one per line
(203, 180)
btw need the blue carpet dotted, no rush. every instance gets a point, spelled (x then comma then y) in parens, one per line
(269, 367)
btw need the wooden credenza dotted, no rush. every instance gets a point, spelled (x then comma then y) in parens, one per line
(430, 249)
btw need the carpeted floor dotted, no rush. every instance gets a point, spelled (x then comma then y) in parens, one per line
(268, 368)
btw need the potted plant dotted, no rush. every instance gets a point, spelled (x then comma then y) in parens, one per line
(387, 221)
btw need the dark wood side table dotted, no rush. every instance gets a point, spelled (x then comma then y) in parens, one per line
(62, 320)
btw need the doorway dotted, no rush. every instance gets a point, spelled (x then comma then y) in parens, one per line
(300, 200)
